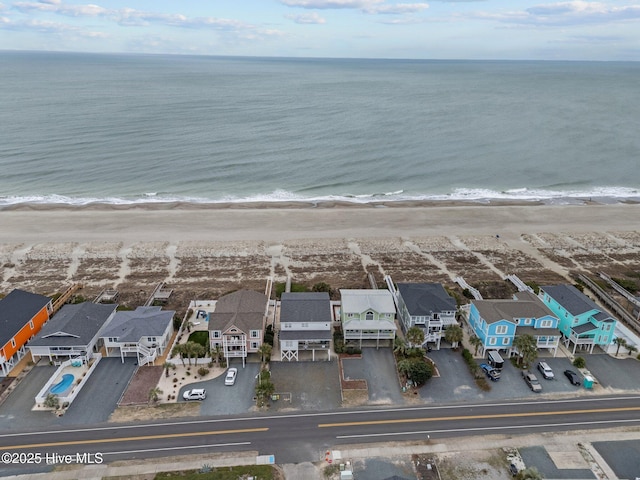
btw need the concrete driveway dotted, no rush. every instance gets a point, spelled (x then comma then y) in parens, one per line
(95, 403)
(228, 400)
(378, 368)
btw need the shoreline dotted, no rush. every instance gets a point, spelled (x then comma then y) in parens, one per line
(319, 204)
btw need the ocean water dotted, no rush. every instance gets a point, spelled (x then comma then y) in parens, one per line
(83, 128)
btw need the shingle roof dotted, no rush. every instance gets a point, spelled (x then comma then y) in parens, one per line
(426, 298)
(305, 307)
(584, 328)
(572, 299)
(131, 326)
(244, 309)
(496, 310)
(74, 325)
(360, 301)
(16, 310)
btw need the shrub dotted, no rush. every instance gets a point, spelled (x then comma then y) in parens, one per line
(175, 380)
(203, 371)
(579, 362)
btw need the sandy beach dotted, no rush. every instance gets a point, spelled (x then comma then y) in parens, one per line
(203, 252)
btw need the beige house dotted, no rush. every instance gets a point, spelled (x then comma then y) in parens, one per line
(237, 324)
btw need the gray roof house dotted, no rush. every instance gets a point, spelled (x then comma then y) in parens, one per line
(22, 315)
(305, 324)
(145, 332)
(73, 332)
(427, 306)
(237, 323)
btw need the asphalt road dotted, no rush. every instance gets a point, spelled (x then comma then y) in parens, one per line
(301, 437)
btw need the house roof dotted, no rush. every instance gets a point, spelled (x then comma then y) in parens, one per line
(572, 299)
(131, 326)
(16, 310)
(305, 307)
(495, 310)
(537, 332)
(244, 309)
(426, 298)
(74, 325)
(380, 301)
(584, 328)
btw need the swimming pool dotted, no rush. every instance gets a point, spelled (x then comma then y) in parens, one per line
(62, 385)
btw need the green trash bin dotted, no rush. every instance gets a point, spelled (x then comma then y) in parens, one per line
(588, 381)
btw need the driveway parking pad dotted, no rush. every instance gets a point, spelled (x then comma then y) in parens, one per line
(539, 457)
(622, 457)
(377, 367)
(312, 385)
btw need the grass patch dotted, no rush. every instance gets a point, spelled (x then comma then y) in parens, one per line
(201, 337)
(259, 472)
(295, 287)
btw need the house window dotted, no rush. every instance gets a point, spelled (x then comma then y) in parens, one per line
(546, 323)
(113, 339)
(505, 341)
(151, 339)
(492, 341)
(368, 316)
(254, 345)
(501, 329)
(13, 342)
(255, 334)
(31, 324)
(304, 325)
(216, 334)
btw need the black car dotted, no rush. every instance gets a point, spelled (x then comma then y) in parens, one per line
(572, 376)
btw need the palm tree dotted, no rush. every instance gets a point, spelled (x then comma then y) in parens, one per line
(453, 334)
(404, 367)
(167, 366)
(476, 342)
(179, 350)
(631, 349)
(265, 352)
(527, 348)
(216, 353)
(415, 336)
(154, 394)
(399, 347)
(620, 342)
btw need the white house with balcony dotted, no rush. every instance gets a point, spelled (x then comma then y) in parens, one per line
(368, 315)
(144, 332)
(74, 332)
(427, 306)
(305, 324)
(237, 324)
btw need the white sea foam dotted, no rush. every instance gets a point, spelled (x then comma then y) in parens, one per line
(600, 194)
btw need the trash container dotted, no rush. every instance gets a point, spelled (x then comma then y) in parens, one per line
(588, 381)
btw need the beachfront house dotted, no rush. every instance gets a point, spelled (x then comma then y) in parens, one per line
(498, 322)
(144, 332)
(368, 315)
(427, 306)
(73, 332)
(237, 324)
(581, 321)
(305, 324)
(22, 315)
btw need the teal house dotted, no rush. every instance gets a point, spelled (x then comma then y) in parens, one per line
(498, 322)
(582, 322)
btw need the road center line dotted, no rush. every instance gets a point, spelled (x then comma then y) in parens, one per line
(135, 439)
(476, 417)
(186, 447)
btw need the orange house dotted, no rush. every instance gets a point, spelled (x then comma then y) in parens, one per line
(22, 315)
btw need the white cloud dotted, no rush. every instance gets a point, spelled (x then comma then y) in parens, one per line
(307, 18)
(398, 9)
(328, 4)
(566, 13)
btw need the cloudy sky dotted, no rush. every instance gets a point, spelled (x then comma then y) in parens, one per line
(439, 29)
